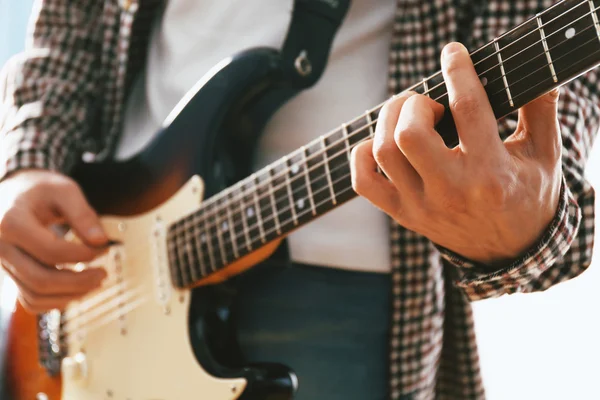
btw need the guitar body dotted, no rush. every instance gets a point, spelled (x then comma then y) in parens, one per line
(164, 343)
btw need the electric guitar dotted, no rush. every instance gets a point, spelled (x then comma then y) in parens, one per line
(130, 339)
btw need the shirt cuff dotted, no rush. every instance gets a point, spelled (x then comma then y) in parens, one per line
(480, 281)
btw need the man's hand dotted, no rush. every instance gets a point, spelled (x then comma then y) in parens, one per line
(486, 200)
(30, 202)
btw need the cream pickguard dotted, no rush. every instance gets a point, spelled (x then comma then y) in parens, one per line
(129, 340)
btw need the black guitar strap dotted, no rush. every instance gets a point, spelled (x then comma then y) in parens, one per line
(305, 54)
(310, 36)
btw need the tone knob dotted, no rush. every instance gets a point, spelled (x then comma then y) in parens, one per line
(75, 368)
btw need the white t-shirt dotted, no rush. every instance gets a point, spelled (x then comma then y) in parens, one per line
(194, 35)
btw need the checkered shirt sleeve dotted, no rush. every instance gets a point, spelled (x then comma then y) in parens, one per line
(45, 91)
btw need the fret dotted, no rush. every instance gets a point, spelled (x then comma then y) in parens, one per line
(189, 252)
(238, 193)
(372, 133)
(182, 260)
(218, 219)
(594, 13)
(196, 232)
(572, 40)
(273, 206)
(346, 140)
(358, 130)
(266, 210)
(510, 99)
(235, 215)
(213, 238)
(257, 209)
(545, 44)
(175, 258)
(339, 165)
(370, 124)
(425, 87)
(327, 170)
(250, 211)
(318, 178)
(224, 229)
(308, 187)
(525, 60)
(187, 248)
(234, 246)
(204, 240)
(284, 200)
(299, 183)
(437, 87)
(288, 186)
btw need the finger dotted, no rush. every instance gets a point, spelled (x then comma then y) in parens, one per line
(370, 184)
(43, 280)
(539, 119)
(417, 138)
(80, 216)
(42, 243)
(471, 109)
(38, 305)
(386, 152)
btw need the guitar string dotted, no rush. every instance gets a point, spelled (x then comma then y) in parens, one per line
(374, 122)
(376, 108)
(124, 294)
(99, 310)
(225, 255)
(208, 225)
(117, 303)
(281, 174)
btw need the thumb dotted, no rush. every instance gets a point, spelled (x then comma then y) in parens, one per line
(539, 120)
(80, 216)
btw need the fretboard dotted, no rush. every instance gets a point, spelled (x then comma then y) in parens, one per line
(548, 50)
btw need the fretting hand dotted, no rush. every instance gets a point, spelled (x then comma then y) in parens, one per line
(486, 200)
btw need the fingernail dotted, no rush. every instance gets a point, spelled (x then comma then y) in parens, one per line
(453, 48)
(96, 233)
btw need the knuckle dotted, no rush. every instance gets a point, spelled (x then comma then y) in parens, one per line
(384, 152)
(407, 138)
(66, 185)
(9, 221)
(466, 105)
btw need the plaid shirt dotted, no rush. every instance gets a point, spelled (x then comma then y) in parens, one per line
(64, 96)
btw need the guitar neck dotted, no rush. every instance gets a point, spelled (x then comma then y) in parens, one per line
(546, 51)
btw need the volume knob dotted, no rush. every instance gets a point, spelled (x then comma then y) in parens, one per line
(75, 368)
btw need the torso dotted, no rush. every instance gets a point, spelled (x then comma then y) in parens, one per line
(187, 41)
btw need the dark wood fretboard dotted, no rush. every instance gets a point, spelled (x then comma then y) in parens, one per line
(547, 51)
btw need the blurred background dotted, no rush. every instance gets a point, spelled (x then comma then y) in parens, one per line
(536, 346)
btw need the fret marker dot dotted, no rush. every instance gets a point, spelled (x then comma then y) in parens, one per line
(569, 33)
(203, 238)
(295, 169)
(484, 80)
(250, 212)
(300, 204)
(225, 226)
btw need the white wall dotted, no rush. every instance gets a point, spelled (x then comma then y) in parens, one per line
(546, 345)
(13, 18)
